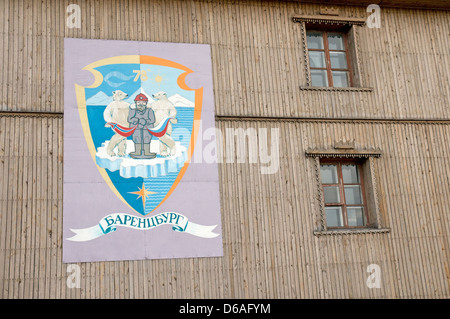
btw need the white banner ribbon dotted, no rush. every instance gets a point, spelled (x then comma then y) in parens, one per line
(110, 223)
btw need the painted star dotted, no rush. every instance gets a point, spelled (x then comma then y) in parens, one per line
(143, 193)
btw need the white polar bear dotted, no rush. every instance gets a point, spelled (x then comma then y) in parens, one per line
(117, 112)
(163, 108)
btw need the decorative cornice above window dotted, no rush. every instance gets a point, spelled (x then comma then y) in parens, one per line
(329, 20)
(335, 153)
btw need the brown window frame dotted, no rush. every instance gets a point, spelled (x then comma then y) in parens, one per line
(326, 51)
(340, 184)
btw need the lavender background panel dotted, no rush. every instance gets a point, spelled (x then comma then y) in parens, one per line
(87, 198)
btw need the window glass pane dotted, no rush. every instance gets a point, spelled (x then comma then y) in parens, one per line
(329, 174)
(336, 41)
(340, 78)
(315, 40)
(331, 194)
(356, 216)
(319, 78)
(350, 174)
(334, 216)
(317, 59)
(353, 195)
(338, 60)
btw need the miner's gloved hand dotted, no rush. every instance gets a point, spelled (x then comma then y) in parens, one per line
(134, 121)
(142, 121)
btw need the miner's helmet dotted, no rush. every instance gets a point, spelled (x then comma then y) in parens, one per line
(141, 97)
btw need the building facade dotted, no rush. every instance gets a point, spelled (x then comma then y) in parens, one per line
(355, 99)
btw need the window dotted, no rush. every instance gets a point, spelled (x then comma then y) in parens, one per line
(329, 59)
(343, 193)
(347, 190)
(331, 53)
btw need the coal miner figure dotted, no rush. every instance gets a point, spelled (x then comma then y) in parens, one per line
(144, 118)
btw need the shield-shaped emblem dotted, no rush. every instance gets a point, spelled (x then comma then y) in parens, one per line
(140, 121)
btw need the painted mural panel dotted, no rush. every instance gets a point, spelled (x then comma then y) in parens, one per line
(132, 117)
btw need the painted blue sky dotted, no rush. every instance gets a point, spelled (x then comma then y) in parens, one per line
(156, 78)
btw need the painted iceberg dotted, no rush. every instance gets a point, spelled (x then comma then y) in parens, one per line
(129, 167)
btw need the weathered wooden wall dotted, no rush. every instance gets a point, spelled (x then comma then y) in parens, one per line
(268, 220)
(257, 54)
